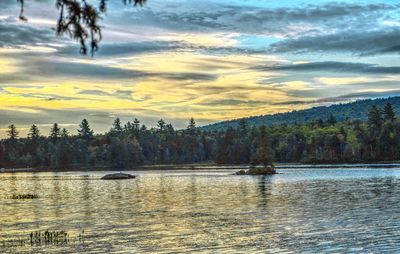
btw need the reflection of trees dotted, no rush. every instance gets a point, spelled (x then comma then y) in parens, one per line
(193, 190)
(56, 196)
(87, 199)
(37, 186)
(13, 188)
(16, 216)
(264, 187)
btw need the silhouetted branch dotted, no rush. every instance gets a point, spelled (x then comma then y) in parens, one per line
(21, 12)
(79, 20)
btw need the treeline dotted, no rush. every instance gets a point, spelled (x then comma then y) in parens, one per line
(131, 144)
(126, 146)
(375, 140)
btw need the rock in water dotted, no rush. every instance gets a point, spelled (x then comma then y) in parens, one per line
(241, 172)
(117, 176)
(269, 170)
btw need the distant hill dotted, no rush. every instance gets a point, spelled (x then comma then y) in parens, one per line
(353, 110)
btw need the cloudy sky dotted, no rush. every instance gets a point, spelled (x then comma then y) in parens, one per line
(213, 60)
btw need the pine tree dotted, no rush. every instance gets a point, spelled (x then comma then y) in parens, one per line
(263, 153)
(12, 132)
(224, 147)
(191, 128)
(128, 127)
(388, 112)
(243, 126)
(136, 123)
(169, 129)
(55, 132)
(375, 117)
(84, 130)
(34, 133)
(161, 125)
(117, 128)
(136, 127)
(64, 133)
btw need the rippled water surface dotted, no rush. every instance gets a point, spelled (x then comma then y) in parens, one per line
(300, 210)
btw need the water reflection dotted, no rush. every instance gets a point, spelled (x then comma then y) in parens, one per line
(352, 210)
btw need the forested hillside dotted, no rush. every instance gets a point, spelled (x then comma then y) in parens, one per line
(355, 110)
(127, 145)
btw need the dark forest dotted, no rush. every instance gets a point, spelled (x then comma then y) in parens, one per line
(376, 139)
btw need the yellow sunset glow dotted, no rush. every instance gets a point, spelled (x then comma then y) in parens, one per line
(172, 72)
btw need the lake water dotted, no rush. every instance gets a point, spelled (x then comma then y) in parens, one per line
(307, 210)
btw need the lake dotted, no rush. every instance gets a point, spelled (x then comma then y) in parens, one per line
(308, 210)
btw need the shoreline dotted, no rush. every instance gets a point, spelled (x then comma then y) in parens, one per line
(395, 164)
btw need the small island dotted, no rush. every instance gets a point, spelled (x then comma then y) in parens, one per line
(269, 170)
(262, 156)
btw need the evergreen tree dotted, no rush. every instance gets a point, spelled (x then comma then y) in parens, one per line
(263, 153)
(191, 128)
(375, 117)
(12, 132)
(136, 127)
(64, 133)
(117, 128)
(55, 132)
(161, 125)
(128, 127)
(225, 145)
(34, 133)
(84, 130)
(388, 112)
(169, 129)
(136, 123)
(143, 128)
(243, 126)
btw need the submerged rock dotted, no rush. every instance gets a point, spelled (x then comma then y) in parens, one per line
(117, 176)
(269, 170)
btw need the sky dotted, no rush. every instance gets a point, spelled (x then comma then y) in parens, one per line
(211, 60)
